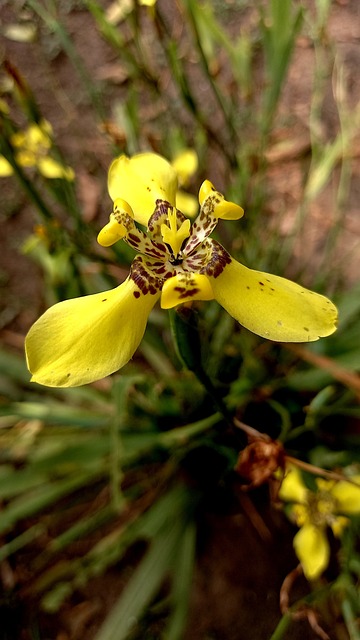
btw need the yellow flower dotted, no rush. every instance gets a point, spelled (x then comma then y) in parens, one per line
(314, 511)
(32, 148)
(84, 339)
(185, 164)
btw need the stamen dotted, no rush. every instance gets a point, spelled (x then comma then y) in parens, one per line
(172, 236)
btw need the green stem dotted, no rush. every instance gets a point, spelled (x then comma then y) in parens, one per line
(282, 627)
(183, 324)
(181, 435)
(350, 620)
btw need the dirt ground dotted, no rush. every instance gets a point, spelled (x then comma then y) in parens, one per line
(239, 571)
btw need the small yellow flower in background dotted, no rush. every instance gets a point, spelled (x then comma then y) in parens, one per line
(314, 512)
(84, 339)
(32, 147)
(185, 164)
(120, 9)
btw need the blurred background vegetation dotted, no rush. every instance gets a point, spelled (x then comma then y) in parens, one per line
(122, 515)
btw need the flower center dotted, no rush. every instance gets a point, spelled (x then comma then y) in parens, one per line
(321, 508)
(173, 236)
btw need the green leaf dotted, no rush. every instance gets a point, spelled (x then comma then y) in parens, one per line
(168, 529)
(181, 585)
(32, 502)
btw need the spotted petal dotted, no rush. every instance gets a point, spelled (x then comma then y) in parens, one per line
(84, 339)
(141, 180)
(312, 548)
(273, 307)
(185, 287)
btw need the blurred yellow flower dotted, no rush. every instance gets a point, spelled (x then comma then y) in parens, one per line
(185, 164)
(314, 512)
(81, 340)
(32, 148)
(120, 9)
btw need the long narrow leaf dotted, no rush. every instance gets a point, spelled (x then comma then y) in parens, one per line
(142, 587)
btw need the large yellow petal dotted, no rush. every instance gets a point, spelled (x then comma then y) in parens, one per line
(347, 496)
(84, 339)
(141, 180)
(312, 548)
(273, 307)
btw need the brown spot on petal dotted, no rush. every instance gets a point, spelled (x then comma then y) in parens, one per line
(218, 260)
(144, 278)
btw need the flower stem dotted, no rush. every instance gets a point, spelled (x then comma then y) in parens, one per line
(282, 627)
(184, 328)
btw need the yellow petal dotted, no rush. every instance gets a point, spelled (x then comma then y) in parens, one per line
(111, 233)
(300, 513)
(185, 164)
(141, 180)
(292, 487)
(26, 158)
(218, 206)
(312, 548)
(347, 496)
(49, 168)
(187, 203)
(273, 307)
(338, 525)
(84, 339)
(5, 168)
(37, 137)
(185, 287)
(227, 210)
(119, 224)
(18, 139)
